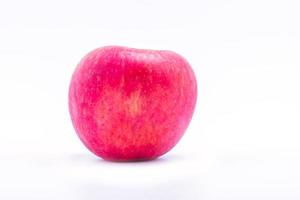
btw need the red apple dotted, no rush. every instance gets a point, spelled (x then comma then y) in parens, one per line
(131, 104)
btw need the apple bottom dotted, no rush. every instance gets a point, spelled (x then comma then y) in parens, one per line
(121, 136)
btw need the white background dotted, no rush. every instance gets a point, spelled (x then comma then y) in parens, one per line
(243, 142)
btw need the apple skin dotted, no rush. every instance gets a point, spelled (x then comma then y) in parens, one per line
(131, 104)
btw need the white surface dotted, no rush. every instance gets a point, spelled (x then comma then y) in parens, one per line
(243, 142)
